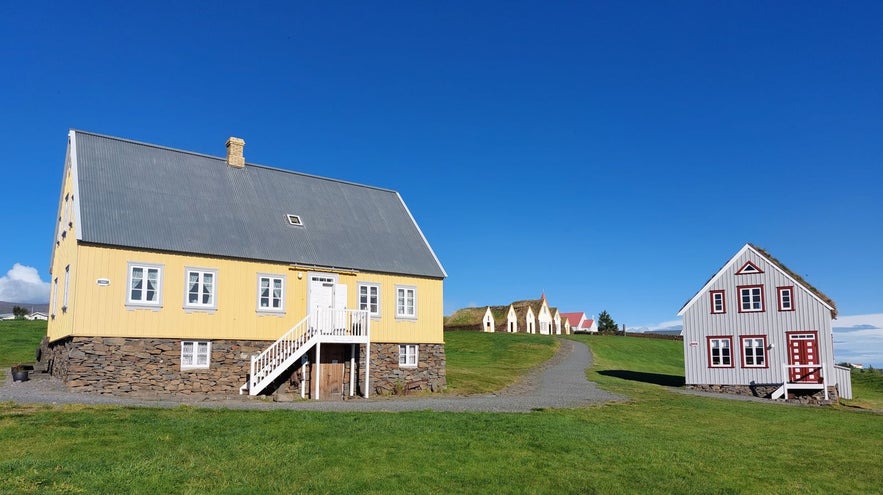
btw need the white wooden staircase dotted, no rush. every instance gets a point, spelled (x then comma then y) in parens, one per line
(797, 385)
(323, 325)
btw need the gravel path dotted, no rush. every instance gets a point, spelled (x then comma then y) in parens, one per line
(558, 383)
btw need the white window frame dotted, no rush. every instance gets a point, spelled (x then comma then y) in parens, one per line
(402, 306)
(780, 293)
(712, 347)
(54, 296)
(190, 359)
(201, 273)
(751, 351)
(753, 298)
(366, 305)
(715, 294)
(67, 286)
(270, 278)
(408, 355)
(146, 268)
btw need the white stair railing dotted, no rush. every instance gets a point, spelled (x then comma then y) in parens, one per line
(812, 368)
(340, 325)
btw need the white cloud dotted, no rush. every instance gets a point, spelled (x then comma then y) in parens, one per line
(859, 339)
(670, 325)
(22, 284)
(667, 325)
(859, 321)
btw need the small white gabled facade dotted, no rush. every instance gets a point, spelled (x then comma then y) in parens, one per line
(751, 318)
(487, 322)
(544, 318)
(511, 320)
(530, 321)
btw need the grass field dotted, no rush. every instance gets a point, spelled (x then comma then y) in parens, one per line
(867, 389)
(658, 442)
(19, 340)
(484, 362)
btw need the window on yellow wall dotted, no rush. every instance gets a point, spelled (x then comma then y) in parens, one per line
(144, 287)
(67, 285)
(406, 302)
(369, 299)
(271, 293)
(54, 296)
(201, 288)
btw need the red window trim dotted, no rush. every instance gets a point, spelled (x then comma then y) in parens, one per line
(766, 357)
(748, 263)
(732, 350)
(762, 298)
(779, 297)
(723, 302)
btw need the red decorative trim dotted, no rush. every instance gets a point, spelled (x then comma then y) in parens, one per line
(762, 299)
(723, 302)
(766, 356)
(779, 291)
(756, 269)
(708, 340)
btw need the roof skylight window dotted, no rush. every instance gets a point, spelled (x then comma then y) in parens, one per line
(294, 220)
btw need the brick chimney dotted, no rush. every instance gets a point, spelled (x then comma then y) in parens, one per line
(235, 147)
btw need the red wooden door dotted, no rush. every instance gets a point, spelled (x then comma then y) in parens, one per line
(803, 349)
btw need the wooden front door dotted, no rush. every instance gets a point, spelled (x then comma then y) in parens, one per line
(803, 348)
(332, 382)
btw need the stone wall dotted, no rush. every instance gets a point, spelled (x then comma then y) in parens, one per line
(803, 396)
(387, 378)
(109, 365)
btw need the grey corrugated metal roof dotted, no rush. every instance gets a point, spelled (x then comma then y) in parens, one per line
(144, 196)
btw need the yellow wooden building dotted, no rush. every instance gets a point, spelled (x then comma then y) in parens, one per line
(177, 272)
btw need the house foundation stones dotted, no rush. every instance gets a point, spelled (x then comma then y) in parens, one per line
(815, 397)
(122, 366)
(388, 378)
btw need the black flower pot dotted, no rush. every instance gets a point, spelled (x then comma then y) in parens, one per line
(20, 376)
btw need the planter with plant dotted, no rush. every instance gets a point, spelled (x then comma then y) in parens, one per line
(20, 372)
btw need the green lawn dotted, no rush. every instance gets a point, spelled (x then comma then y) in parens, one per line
(867, 389)
(483, 362)
(658, 442)
(19, 340)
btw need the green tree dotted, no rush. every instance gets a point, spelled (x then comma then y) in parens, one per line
(606, 325)
(19, 312)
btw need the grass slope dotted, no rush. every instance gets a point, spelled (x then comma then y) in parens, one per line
(483, 362)
(659, 442)
(19, 340)
(867, 389)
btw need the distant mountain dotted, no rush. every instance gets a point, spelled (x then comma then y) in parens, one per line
(6, 307)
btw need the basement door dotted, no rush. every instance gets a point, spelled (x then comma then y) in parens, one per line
(332, 381)
(803, 348)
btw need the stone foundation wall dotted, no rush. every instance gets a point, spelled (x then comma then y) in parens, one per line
(109, 365)
(750, 390)
(387, 378)
(765, 391)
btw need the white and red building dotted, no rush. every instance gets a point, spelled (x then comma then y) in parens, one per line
(758, 328)
(579, 323)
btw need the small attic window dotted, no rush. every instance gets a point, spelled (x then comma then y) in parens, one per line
(294, 220)
(748, 268)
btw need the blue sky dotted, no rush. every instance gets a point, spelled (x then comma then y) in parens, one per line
(611, 154)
